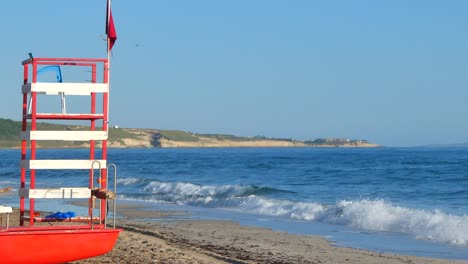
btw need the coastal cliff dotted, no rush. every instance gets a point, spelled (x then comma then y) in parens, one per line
(148, 138)
(155, 138)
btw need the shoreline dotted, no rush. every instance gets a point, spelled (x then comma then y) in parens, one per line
(217, 241)
(157, 236)
(166, 240)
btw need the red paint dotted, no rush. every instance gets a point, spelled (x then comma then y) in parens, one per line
(66, 116)
(62, 61)
(57, 246)
(64, 243)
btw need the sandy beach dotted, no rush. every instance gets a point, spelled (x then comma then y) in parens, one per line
(213, 241)
(201, 241)
(206, 241)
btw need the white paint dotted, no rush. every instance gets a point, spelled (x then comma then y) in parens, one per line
(61, 164)
(66, 88)
(64, 135)
(5, 209)
(60, 193)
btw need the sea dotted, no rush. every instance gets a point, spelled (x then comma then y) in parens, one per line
(410, 201)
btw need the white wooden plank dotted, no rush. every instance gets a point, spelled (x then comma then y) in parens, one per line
(64, 135)
(67, 88)
(5, 209)
(61, 193)
(61, 164)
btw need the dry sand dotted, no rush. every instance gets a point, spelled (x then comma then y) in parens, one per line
(199, 241)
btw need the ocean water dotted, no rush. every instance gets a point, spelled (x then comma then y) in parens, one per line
(397, 200)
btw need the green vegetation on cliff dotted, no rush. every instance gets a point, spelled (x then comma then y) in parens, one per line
(10, 130)
(177, 135)
(225, 137)
(119, 134)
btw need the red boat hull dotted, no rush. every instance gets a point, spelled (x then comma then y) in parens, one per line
(55, 246)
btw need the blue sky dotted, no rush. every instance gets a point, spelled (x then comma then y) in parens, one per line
(393, 72)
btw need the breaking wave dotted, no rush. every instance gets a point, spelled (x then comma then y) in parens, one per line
(365, 214)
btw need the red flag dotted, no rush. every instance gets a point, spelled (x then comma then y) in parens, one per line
(110, 28)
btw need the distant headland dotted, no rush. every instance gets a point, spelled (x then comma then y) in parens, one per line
(157, 138)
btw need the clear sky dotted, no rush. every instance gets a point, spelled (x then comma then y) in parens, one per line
(393, 72)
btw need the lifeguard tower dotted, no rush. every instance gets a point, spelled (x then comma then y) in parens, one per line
(63, 237)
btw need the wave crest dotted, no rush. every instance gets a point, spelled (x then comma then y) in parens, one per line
(379, 215)
(373, 215)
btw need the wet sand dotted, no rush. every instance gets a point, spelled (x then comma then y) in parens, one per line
(201, 241)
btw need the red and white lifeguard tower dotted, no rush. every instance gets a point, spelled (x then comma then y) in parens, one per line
(72, 237)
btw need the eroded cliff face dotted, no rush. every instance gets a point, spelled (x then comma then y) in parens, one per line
(142, 138)
(215, 143)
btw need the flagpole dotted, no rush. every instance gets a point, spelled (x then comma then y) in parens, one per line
(108, 65)
(108, 77)
(111, 37)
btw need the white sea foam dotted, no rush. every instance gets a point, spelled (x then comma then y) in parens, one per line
(374, 215)
(128, 181)
(197, 195)
(7, 183)
(188, 189)
(379, 215)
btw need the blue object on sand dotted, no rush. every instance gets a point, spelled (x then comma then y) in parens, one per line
(61, 215)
